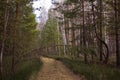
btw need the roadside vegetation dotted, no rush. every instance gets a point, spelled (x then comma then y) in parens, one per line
(24, 69)
(90, 71)
(83, 34)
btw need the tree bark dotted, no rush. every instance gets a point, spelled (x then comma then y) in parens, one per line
(100, 24)
(117, 33)
(84, 40)
(6, 17)
(103, 42)
(14, 41)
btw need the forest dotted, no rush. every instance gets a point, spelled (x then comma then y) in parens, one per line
(80, 40)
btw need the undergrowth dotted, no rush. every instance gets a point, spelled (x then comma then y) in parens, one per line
(90, 71)
(25, 69)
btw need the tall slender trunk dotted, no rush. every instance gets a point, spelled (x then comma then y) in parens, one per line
(93, 18)
(14, 41)
(103, 42)
(66, 33)
(100, 24)
(101, 36)
(73, 36)
(84, 40)
(66, 29)
(58, 48)
(117, 33)
(6, 17)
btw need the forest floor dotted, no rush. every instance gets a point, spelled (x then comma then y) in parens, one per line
(54, 70)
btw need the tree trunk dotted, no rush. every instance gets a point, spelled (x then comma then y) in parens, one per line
(116, 33)
(14, 41)
(100, 24)
(103, 42)
(84, 40)
(6, 17)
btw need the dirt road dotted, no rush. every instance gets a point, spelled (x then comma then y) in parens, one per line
(54, 70)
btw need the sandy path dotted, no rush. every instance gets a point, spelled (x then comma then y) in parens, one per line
(54, 70)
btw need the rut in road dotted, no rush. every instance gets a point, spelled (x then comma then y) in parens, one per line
(54, 70)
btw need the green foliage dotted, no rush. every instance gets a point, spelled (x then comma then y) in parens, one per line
(27, 68)
(50, 34)
(72, 1)
(70, 14)
(73, 50)
(88, 51)
(26, 34)
(91, 71)
(24, 69)
(92, 51)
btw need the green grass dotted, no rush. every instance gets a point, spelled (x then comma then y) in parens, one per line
(25, 69)
(91, 71)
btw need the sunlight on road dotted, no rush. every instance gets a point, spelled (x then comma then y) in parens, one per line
(54, 70)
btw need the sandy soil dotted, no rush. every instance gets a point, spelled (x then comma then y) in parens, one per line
(54, 70)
